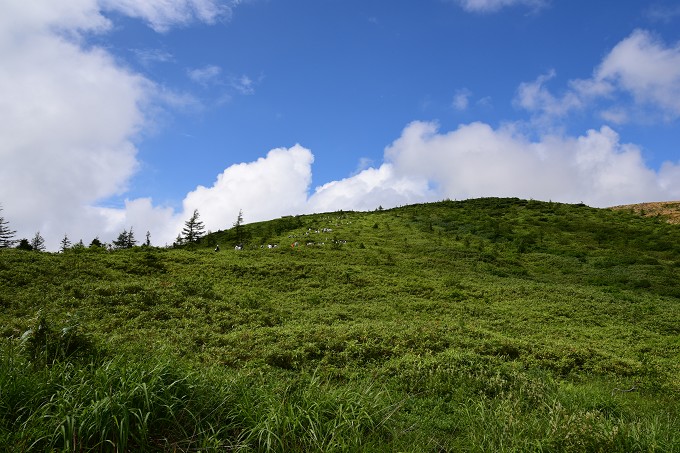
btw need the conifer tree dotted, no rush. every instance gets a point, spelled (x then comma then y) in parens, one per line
(65, 243)
(38, 242)
(6, 235)
(131, 241)
(239, 229)
(193, 229)
(126, 240)
(24, 245)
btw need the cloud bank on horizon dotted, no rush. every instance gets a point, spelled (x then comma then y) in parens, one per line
(74, 115)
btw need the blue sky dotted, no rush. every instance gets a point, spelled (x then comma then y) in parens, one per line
(124, 113)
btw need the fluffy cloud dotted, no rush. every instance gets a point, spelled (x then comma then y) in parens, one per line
(71, 114)
(270, 187)
(69, 117)
(640, 66)
(424, 164)
(646, 68)
(488, 6)
(475, 161)
(369, 189)
(536, 97)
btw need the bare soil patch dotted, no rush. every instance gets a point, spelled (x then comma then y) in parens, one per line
(669, 210)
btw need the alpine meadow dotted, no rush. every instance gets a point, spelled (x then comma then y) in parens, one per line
(484, 325)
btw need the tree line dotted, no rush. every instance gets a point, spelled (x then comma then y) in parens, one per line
(193, 231)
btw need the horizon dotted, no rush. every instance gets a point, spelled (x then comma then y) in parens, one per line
(122, 115)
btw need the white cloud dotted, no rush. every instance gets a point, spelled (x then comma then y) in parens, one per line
(369, 189)
(615, 115)
(640, 66)
(536, 97)
(161, 15)
(645, 67)
(270, 187)
(243, 84)
(475, 161)
(489, 6)
(205, 75)
(69, 118)
(72, 113)
(24, 19)
(424, 164)
(461, 99)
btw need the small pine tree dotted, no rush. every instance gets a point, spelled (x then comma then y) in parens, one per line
(148, 239)
(238, 226)
(6, 235)
(38, 242)
(24, 245)
(131, 241)
(121, 241)
(96, 243)
(193, 229)
(126, 240)
(65, 243)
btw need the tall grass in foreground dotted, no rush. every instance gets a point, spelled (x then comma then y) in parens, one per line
(160, 405)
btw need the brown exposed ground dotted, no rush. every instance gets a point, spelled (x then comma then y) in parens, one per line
(670, 210)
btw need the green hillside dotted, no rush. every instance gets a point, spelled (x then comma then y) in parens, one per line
(480, 325)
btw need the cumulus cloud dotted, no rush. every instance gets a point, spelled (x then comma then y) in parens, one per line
(369, 189)
(536, 97)
(645, 67)
(476, 160)
(69, 118)
(424, 164)
(489, 6)
(270, 187)
(640, 66)
(72, 114)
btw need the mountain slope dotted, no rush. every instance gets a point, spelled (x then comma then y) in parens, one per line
(480, 325)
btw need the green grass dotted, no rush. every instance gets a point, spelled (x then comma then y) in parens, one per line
(483, 325)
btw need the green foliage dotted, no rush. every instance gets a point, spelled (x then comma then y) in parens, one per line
(126, 239)
(38, 243)
(483, 325)
(24, 245)
(6, 234)
(65, 243)
(193, 230)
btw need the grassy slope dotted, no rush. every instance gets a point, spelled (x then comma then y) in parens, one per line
(488, 324)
